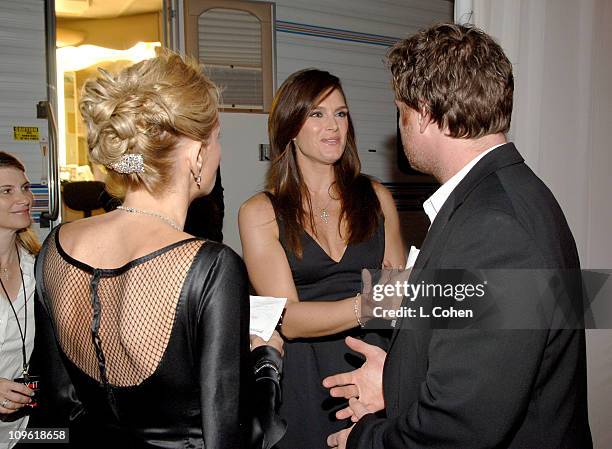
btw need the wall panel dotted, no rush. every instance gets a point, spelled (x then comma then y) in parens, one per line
(23, 79)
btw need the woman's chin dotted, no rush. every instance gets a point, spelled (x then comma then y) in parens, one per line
(332, 155)
(333, 159)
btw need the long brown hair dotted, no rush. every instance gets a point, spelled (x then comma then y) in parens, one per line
(26, 237)
(294, 101)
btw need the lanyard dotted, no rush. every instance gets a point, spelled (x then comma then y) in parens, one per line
(22, 333)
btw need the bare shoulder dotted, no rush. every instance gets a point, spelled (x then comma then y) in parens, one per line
(84, 230)
(383, 194)
(112, 239)
(257, 210)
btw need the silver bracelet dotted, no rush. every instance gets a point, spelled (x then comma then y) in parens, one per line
(267, 365)
(356, 311)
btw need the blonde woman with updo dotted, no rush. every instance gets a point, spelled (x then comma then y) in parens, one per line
(147, 325)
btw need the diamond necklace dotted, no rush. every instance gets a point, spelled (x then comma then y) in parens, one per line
(324, 215)
(151, 213)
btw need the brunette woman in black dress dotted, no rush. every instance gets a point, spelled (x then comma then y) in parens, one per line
(307, 237)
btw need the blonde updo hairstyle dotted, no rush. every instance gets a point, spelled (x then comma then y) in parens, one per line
(144, 109)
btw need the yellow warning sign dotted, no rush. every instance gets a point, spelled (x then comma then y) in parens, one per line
(26, 133)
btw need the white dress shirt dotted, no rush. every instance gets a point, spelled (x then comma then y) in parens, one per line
(11, 362)
(435, 202)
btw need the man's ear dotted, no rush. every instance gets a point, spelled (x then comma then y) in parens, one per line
(403, 110)
(424, 119)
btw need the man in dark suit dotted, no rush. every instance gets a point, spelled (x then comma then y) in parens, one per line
(470, 388)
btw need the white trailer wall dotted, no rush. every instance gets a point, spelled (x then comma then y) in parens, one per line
(23, 78)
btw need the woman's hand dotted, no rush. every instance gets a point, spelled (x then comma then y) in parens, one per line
(386, 295)
(13, 396)
(276, 341)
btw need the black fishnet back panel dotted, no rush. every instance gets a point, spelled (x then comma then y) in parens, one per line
(137, 308)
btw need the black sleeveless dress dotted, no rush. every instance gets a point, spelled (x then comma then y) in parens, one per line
(306, 404)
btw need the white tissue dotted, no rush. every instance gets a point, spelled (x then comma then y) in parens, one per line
(265, 313)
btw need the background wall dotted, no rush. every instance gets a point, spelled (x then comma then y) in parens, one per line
(23, 80)
(563, 103)
(242, 174)
(23, 83)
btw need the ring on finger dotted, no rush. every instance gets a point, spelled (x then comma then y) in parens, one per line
(5, 403)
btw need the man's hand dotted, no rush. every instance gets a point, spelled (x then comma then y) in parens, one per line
(364, 383)
(339, 439)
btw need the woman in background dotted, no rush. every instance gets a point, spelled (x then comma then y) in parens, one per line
(307, 238)
(18, 247)
(147, 326)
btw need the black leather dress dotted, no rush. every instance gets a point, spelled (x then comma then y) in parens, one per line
(155, 353)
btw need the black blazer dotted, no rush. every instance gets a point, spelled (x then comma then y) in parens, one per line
(468, 388)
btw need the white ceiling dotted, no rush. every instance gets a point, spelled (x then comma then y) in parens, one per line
(98, 9)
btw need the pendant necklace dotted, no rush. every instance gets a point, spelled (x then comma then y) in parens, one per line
(151, 213)
(324, 214)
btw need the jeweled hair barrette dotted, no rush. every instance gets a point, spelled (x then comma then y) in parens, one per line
(128, 164)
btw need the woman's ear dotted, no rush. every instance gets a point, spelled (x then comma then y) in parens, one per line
(200, 158)
(196, 162)
(294, 143)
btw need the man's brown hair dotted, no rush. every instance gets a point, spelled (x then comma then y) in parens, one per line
(459, 75)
